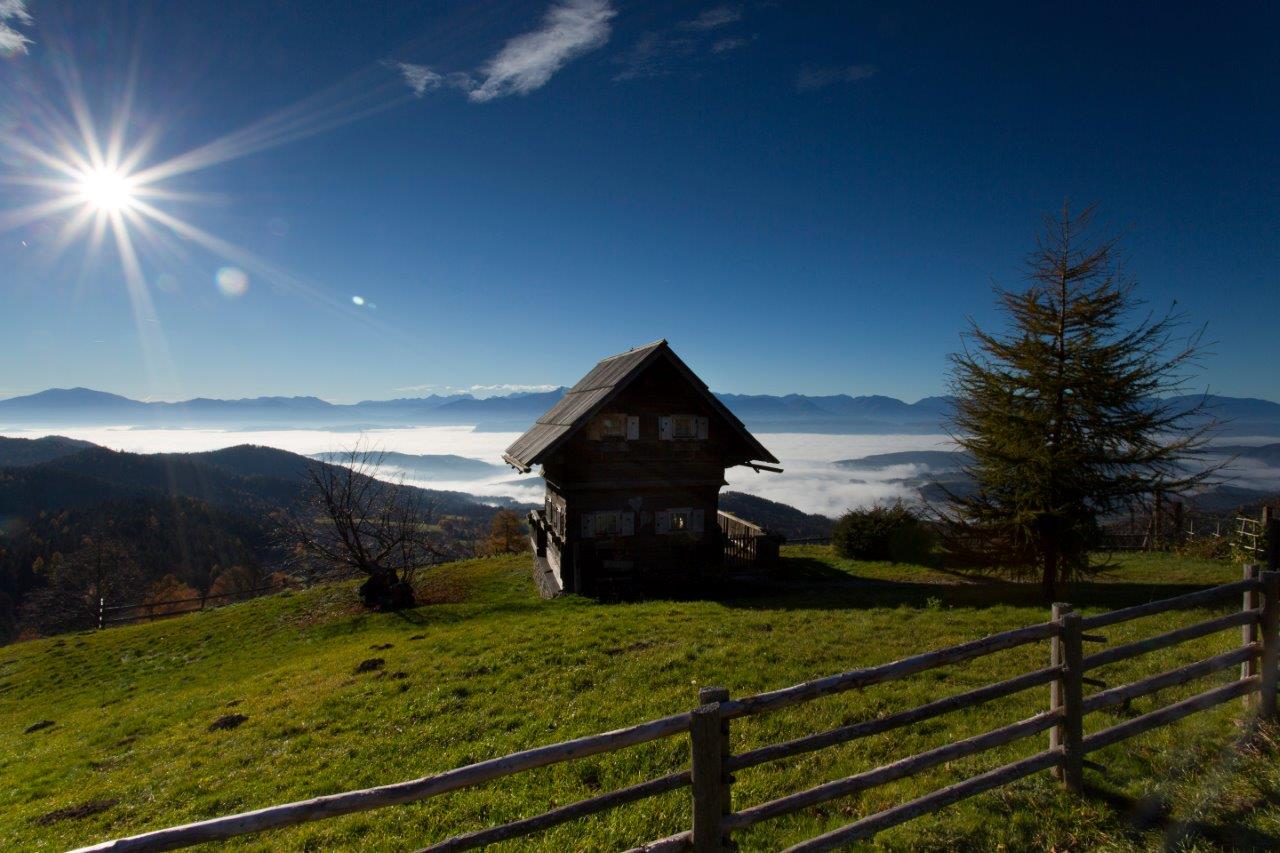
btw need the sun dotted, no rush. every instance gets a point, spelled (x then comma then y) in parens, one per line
(107, 190)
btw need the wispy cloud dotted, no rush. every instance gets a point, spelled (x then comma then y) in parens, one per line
(713, 18)
(654, 55)
(499, 390)
(419, 78)
(731, 43)
(528, 61)
(658, 53)
(491, 390)
(423, 78)
(12, 14)
(812, 77)
(569, 29)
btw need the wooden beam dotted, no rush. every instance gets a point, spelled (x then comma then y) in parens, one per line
(807, 690)
(529, 825)
(867, 728)
(927, 804)
(1171, 638)
(1169, 714)
(1172, 678)
(291, 814)
(891, 772)
(1178, 602)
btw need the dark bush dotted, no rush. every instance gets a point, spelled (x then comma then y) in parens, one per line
(893, 532)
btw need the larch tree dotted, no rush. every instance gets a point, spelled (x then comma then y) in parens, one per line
(1074, 412)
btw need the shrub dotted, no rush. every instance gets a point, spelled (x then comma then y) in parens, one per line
(893, 532)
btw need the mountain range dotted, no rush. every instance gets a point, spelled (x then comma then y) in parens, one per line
(839, 413)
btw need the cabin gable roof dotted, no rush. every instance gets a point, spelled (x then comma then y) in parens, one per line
(602, 384)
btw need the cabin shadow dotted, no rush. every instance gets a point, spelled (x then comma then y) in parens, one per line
(805, 583)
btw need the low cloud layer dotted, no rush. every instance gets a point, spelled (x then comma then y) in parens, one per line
(527, 62)
(13, 14)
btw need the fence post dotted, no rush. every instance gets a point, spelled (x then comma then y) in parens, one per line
(1056, 660)
(1249, 630)
(1072, 703)
(1271, 534)
(1270, 645)
(709, 745)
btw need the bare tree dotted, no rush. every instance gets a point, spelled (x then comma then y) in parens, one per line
(352, 522)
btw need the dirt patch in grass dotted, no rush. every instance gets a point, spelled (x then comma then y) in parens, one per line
(227, 721)
(35, 727)
(76, 812)
(370, 665)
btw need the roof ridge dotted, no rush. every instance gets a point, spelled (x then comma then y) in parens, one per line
(656, 343)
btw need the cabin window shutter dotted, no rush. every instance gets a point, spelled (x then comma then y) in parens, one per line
(664, 427)
(696, 519)
(588, 525)
(702, 428)
(633, 427)
(628, 524)
(662, 521)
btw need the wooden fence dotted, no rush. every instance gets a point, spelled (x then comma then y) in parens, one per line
(123, 614)
(713, 763)
(746, 545)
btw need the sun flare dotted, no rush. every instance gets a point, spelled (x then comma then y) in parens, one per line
(106, 189)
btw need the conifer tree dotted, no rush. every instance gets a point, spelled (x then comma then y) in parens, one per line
(1074, 412)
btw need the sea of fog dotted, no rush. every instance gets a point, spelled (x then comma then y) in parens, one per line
(809, 480)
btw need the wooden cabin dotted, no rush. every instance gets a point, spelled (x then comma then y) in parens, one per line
(633, 456)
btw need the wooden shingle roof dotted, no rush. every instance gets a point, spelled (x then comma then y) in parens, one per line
(604, 382)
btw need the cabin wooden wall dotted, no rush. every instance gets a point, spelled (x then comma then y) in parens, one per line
(642, 476)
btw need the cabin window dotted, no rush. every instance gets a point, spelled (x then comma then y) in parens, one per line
(682, 427)
(615, 426)
(608, 523)
(680, 520)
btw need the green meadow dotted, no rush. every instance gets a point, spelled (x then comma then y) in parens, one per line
(111, 733)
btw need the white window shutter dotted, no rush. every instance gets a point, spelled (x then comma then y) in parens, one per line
(633, 427)
(588, 525)
(662, 521)
(696, 520)
(664, 428)
(702, 428)
(628, 524)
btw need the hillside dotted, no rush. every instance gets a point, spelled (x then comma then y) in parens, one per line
(109, 733)
(190, 515)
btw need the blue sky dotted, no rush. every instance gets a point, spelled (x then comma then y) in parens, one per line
(801, 197)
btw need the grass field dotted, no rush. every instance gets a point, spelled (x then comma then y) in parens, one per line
(490, 669)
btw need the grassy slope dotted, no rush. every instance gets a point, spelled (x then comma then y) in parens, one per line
(501, 671)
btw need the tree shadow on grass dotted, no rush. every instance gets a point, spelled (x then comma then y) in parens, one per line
(809, 583)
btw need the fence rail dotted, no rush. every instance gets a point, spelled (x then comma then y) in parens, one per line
(712, 764)
(123, 614)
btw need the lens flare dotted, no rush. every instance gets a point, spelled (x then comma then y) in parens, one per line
(232, 281)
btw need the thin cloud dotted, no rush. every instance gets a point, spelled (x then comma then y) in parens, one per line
(713, 18)
(507, 388)
(811, 78)
(498, 390)
(419, 78)
(731, 43)
(654, 55)
(528, 61)
(12, 14)
(569, 29)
